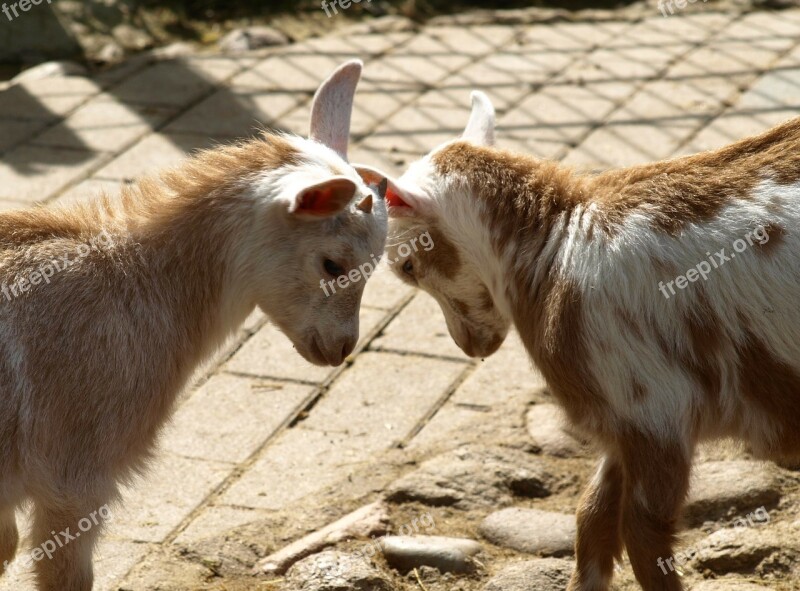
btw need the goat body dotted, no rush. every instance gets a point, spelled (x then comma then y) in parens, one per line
(660, 302)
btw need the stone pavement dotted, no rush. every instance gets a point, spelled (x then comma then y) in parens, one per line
(261, 430)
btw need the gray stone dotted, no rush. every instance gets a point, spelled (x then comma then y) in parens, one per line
(132, 38)
(475, 476)
(728, 584)
(545, 429)
(544, 574)
(252, 38)
(445, 554)
(738, 549)
(336, 571)
(110, 53)
(531, 531)
(730, 489)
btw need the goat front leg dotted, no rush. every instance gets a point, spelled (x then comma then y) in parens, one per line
(599, 539)
(65, 534)
(656, 482)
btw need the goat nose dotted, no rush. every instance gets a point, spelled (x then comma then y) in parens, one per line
(347, 348)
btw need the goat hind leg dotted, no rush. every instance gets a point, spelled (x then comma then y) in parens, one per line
(656, 483)
(9, 537)
(61, 532)
(599, 539)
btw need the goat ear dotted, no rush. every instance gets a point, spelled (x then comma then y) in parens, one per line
(332, 107)
(324, 199)
(480, 128)
(399, 201)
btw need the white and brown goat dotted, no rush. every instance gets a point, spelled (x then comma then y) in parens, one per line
(660, 302)
(108, 307)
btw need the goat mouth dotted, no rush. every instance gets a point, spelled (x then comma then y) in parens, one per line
(314, 353)
(478, 348)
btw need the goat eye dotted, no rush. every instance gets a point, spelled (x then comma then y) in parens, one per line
(408, 268)
(332, 268)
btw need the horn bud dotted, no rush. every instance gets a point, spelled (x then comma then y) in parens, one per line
(365, 204)
(383, 187)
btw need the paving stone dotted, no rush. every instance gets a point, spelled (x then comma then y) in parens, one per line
(507, 373)
(546, 428)
(344, 47)
(631, 65)
(155, 153)
(728, 59)
(7, 205)
(170, 491)
(217, 520)
(230, 417)
(104, 125)
(567, 108)
(475, 476)
(269, 353)
(236, 112)
(178, 85)
(760, 26)
(367, 410)
(90, 189)
(448, 555)
(734, 126)
(47, 98)
(544, 574)
(383, 398)
(531, 531)
(300, 462)
(730, 489)
(774, 90)
(336, 571)
(34, 174)
(113, 559)
(13, 132)
(419, 328)
(628, 144)
(487, 397)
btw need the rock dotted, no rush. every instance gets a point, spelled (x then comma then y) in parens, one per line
(730, 489)
(737, 549)
(50, 70)
(727, 584)
(110, 53)
(531, 531)
(250, 38)
(336, 571)
(445, 554)
(545, 426)
(367, 521)
(173, 50)
(544, 574)
(131, 38)
(475, 476)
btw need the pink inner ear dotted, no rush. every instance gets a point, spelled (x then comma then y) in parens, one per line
(394, 200)
(326, 199)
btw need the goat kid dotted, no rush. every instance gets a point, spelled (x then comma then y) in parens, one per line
(575, 264)
(92, 360)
